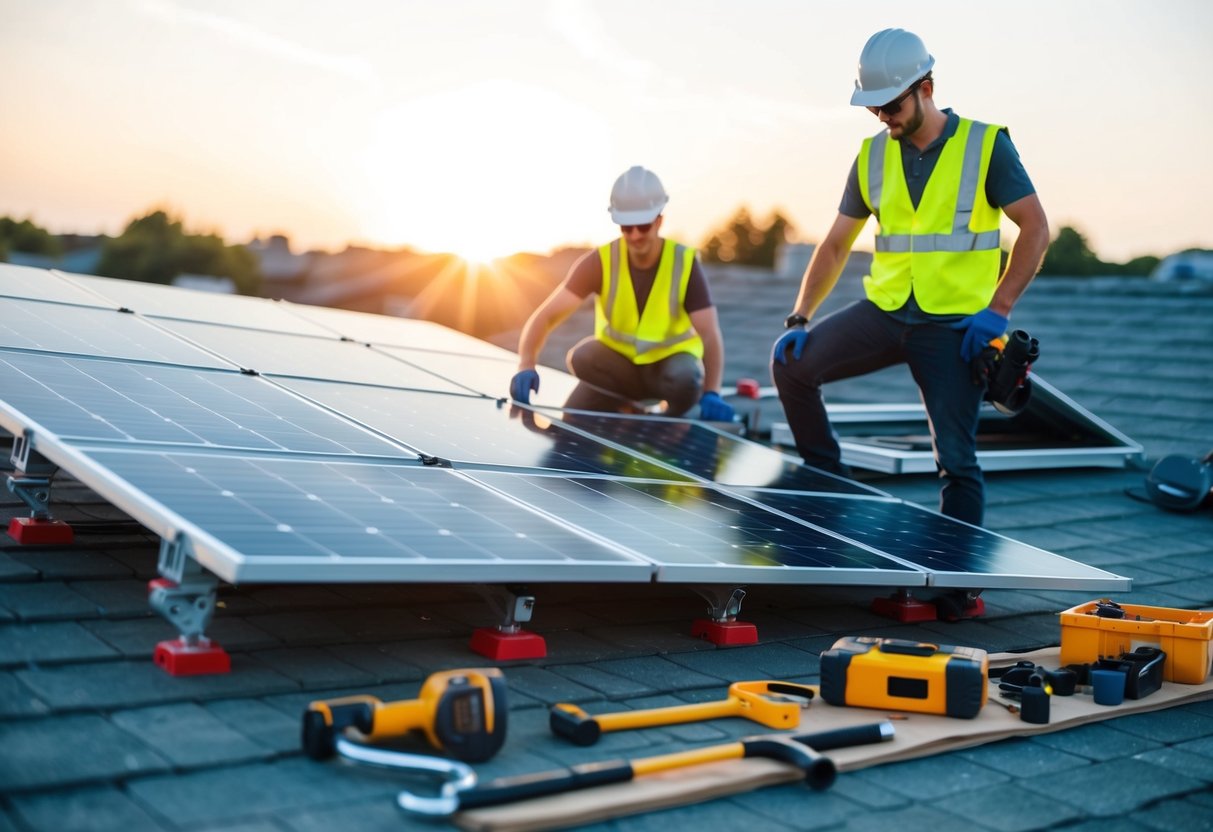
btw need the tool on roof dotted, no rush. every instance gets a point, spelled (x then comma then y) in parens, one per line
(1004, 365)
(462, 712)
(907, 675)
(770, 703)
(802, 751)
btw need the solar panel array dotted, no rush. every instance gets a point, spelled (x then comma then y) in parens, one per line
(293, 443)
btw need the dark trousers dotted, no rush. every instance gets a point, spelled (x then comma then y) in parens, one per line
(611, 382)
(861, 339)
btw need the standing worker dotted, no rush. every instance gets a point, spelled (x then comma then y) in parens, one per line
(656, 335)
(938, 185)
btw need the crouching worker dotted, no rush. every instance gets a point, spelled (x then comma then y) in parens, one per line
(656, 335)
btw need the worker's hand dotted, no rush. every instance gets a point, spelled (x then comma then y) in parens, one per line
(712, 408)
(522, 384)
(980, 330)
(794, 338)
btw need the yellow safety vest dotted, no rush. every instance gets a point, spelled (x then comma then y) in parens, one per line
(947, 250)
(665, 327)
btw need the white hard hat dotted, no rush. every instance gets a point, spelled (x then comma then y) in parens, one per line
(891, 61)
(637, 197)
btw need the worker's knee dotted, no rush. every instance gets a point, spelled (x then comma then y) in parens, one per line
(679, 381)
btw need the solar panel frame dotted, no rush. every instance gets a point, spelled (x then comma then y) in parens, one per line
(154, 300)
(43, 326)
(29, 283)
(938, 544)
(131, 403)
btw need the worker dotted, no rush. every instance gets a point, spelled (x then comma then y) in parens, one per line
(656, 335)
(937, 184)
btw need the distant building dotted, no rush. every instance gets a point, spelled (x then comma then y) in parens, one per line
(1194, 264)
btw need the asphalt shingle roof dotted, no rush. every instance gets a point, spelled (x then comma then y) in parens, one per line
(93, 736)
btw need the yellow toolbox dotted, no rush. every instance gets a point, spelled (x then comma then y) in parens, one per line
(1089, 633)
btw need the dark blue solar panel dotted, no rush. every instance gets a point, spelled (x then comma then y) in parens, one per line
(91, 399)
(481, 431)
(694, 532)
(312, 520)
(711, 454)
(956, 553)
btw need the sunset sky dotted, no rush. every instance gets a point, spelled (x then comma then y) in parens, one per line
(486, 127)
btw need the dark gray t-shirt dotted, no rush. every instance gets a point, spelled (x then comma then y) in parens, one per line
(585, 278)
(1006, 182)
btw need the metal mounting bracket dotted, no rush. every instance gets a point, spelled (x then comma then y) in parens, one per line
(186, 594)
(514, 605)
(35, 492)
(724, 605)
(28, 461)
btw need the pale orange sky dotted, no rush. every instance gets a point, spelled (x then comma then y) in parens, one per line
(491, 126)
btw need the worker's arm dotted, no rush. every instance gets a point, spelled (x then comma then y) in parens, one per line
(1026, 255)
(827, 263)
(559, 305)
(707, 326)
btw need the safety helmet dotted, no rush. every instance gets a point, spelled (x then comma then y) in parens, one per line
(891, 61)
(637, 197)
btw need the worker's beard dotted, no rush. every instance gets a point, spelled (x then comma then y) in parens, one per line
(910, 127)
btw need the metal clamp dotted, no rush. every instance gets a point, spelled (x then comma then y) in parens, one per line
(723, 605)
(513, 605)
(28, 461)
(35, 492)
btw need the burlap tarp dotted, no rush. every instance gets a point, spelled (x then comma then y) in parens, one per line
(917, 735)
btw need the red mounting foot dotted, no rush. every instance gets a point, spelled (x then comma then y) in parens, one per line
(180, 659)
(725, 632)
(28, 530)
(904, 608)
(499, 646)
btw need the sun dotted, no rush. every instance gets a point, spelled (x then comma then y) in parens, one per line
(485, 171)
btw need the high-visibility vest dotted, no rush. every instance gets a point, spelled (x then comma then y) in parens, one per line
(665, 327)
(947, 249)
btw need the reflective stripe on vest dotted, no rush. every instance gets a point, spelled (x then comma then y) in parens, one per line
(673, 322)
(928, 260)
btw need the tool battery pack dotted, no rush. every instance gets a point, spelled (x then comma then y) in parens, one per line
(903, 675)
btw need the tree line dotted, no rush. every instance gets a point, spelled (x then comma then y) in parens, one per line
(156, 248)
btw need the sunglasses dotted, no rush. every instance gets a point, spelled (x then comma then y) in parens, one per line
(643, 229)
(894, 106)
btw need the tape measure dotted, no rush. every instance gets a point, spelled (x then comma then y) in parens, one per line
(904, 675)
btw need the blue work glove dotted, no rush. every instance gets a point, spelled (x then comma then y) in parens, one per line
(712, 408)
(794, 338)
(522, 384)
(980, 330)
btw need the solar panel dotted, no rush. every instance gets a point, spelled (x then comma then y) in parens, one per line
(276, 353)
(394, 456)
(711, 454)
(955, 554)
(86, 399)
(477, 430)
(385, 330)
(696, 533)
(266, 519)
(79, 330)
(210, 307)
(40, 284)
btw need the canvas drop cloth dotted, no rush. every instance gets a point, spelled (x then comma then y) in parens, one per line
(917, 735)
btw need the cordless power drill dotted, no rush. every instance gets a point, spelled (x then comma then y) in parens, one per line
(1004, 364)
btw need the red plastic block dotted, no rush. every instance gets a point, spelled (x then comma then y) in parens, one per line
(725, 632)
(27, 530)
(180, 659)
(957, 607)
(904, 608)
(499, 646)
(748, 387)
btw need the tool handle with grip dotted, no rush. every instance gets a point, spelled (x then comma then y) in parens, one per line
(576, 725)
(524, 786)
(845, 737)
